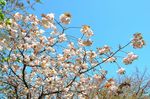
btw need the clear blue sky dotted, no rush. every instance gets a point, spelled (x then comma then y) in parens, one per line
(113, 22)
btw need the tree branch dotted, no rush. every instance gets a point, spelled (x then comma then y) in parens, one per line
(107, 58)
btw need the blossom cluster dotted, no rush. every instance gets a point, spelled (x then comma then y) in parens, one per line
(65, 18)
(138, 41)
(87, 31)
(103, 50)
(121, 71)
(110, 84)
(87, 42)
(130, 58)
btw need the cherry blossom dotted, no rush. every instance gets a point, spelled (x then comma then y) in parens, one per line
(65, 18)
(121, 71)
(138, 41)
(86, 30)
(103, 50)
(17, 16)
(130, 58)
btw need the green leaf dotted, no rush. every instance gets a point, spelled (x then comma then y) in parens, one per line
(17, 60)
(8, 22)
(4, 59)
(2, 2)
(1, 16)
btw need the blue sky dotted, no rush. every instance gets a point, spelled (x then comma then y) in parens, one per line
(113, 22)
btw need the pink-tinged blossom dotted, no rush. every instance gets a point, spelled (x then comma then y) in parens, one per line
(80, 42)
(71, 45)
(94, 63)
(17, 16)
(60, 57)
(110, 84)
(47, 21)
(51, 40)
(54, 32)
(87, 42)
(87, 31)
(41, 31)
(26, 19)
(50, 17)
(130, 58)
(103, 50)
(13, 57)
(121, 71)
(91, 54)
(66, 51)
(33, 19)
(98, 78)
(15, 67)
(62, 38)
(138, 41)
(5, 68)
(51, 49)
(84, 65)
(65, 18)
(36, 62)
(43, 63)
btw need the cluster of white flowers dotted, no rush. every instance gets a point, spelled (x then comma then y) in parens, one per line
(17, 16)
(121, 71)
(103, 50)
(130, 58)
(51, 40)
(65, 18)
(84, 66)
(110, 84)
(62, 37)
(47, 21)
(138, 41)
(87, 42)
(60, 57)
(91, 54)
(98, 78)
(87, 31)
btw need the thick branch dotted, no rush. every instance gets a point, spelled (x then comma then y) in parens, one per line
(23, 76)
